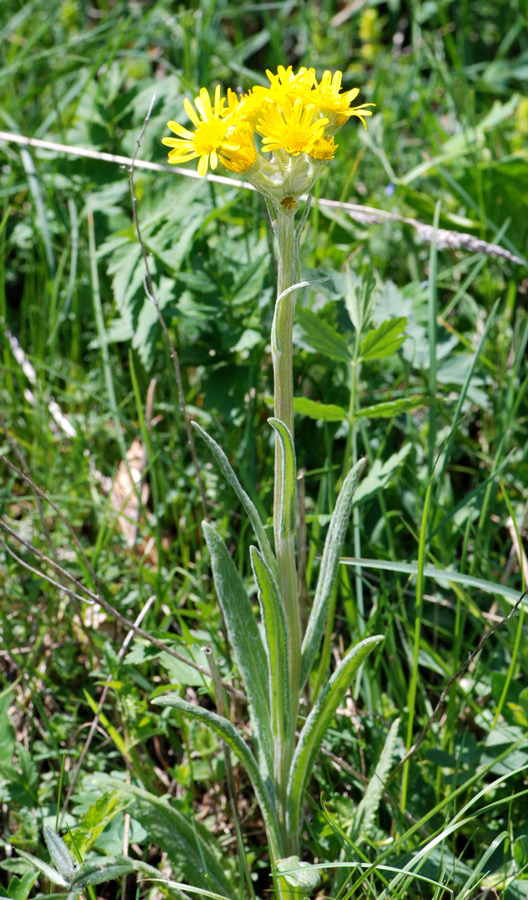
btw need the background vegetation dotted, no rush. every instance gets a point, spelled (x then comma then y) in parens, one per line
(450, 134)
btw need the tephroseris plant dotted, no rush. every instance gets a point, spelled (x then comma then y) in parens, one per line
(281, 138)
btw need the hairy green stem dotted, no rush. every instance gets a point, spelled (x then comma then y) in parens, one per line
(282, 352)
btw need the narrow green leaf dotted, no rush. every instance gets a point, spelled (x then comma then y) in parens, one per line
(245, 638)
(287, 476)
(50, 873)
(316, 725)
(442, 575)
(391, 408)
(321, 336)
(100, 871)
(234, 740)
(384, 340)
(227, 471)
(369, 805)
(276, 644)
(323, 412)
(328, 571)
(59, 853)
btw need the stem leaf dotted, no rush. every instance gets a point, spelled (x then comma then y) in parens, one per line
(276, 644)
(287, 478)
(384, 340)
(322, 412)
(328, 572)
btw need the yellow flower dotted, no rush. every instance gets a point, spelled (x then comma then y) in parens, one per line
(211, 132)
(293, 130)
(331, 102)
(323, 148)
(248, 107)
(239, 154)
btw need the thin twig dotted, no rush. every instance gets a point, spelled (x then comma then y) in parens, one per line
(367, 215)
(99, 600)
(151, 294)
(443, 696)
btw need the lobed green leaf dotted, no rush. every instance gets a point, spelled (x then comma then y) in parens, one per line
(384, 340)
(321, 336)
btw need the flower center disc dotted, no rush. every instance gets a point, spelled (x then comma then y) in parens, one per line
(209, 136)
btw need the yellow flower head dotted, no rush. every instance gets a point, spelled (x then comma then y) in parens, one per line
(323, 148)
(239, 153)
(329, 99)
(211, 132)
(248, 107)
(287, 84)
(292, 130)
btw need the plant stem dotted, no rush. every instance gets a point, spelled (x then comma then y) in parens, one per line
(282, 352)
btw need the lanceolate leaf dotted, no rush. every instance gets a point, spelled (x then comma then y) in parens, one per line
(101, 870)
(327, 574)
(287, 477)
(229, 734)
(59, 853)
(245, 638)
(322, 412)
(321, 336)
(368, 807)
(276, 629)
(227, 471)
(316, 725)
(384, 340)
(50, 873)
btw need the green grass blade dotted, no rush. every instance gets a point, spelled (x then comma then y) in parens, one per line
(317, 723)
(442, 575)
(329, 566)
(245, 638)
(227, 471)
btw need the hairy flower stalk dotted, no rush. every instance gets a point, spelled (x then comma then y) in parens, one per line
(280, 138)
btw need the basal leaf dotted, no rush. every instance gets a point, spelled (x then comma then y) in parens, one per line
(59, 853)
(249, 507)
(316, 725)
(244, 635)
(234, 740)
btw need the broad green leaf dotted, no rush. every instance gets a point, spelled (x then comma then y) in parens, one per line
(384, 340)
(323, 412)
(234, 740)
(50, 873)
(317, 724)
(299, 874)
(321, 336)
(368, 806)
(276, 644)
(227, 471)
(442, 575)
(187, 843)
(60, 855)
(287, 478)
(101, 870)
(328, 571)
(94, 821)
(391, 408)
(244, 635)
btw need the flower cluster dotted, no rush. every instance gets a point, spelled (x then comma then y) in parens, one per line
(279, 136)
